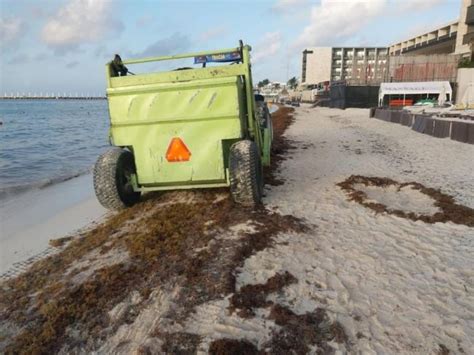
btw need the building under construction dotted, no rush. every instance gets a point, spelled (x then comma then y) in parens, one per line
(434, 67)
(436, 55)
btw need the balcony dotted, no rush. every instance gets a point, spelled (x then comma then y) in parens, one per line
(470, 15)
(469, 36)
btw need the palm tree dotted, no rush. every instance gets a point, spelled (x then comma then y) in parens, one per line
(292, 83)
(263, 83)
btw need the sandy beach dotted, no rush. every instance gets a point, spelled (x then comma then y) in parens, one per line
(364, 245)
(191, 177)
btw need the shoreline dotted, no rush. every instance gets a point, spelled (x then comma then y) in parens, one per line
(14, 192)
(190, 271)
(32, 219)
(36, 214)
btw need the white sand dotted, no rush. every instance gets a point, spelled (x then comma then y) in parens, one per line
(406, 199)
(212, 321)
(396, 286)
(29, 221)
(411, 283)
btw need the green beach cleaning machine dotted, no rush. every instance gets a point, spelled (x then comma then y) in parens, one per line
(187, 128)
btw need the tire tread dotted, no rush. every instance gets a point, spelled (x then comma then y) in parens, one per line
(105, 180)
(244, 178)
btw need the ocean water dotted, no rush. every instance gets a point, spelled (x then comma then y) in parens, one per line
(47, 141)
(43, 142)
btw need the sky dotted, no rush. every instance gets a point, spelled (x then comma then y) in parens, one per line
(62, 46)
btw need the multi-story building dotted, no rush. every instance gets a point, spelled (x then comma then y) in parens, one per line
(455, 37)
(441, 40)
(465, 38)
(431, 55)
(355, 65)
(445, 53)
(316, 65)
(434, 55)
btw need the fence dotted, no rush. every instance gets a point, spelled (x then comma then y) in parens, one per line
(437, 67)
(439, 127)
(343, 96)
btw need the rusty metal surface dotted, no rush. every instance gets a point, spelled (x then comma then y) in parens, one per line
(378, 112)
(406, 119)
(437, 67)
(470, 133)
(441, 128)
(372, 112)
(459, 131)
(429, 126)
(419, 124)
(395, 116)
(382, 114)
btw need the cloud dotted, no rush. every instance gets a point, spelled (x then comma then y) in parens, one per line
(267, 47)
(213, 33)
(173, 44)
(11, 30)
(38, 11)
(145, 20)
(102, 51)
(412, 5)
(72, 64)
(336, 20)
(79, 22)
(40, 57)
(19, 59)
(284, 6)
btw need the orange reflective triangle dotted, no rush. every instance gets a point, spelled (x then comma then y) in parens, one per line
(177, 151)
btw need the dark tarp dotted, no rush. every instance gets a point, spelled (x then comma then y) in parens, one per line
(343, 96)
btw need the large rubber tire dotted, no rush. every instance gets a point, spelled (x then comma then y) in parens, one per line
(262, 113)
(112, 179)
(245, 170)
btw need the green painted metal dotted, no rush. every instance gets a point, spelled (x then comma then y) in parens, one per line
(207, 108)
(267, 142)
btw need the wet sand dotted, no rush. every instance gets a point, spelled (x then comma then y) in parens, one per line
(30, 220)
(333, 262)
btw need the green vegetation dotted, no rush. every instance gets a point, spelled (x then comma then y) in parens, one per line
(466, 63)
(263, 83)
(292, 83)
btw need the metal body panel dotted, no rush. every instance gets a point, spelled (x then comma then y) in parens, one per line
(149, 144)
(202, 113)
(177, 76)
(201, 99)
(207, 108)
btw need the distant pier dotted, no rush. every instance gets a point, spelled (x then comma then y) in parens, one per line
(52, 96)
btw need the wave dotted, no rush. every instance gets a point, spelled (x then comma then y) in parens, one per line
(15, 190)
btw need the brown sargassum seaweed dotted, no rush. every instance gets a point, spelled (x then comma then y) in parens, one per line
(450, 211)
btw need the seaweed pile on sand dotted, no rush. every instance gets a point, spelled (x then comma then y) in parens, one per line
(186, 245)
(282, 119)
(448, 209)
